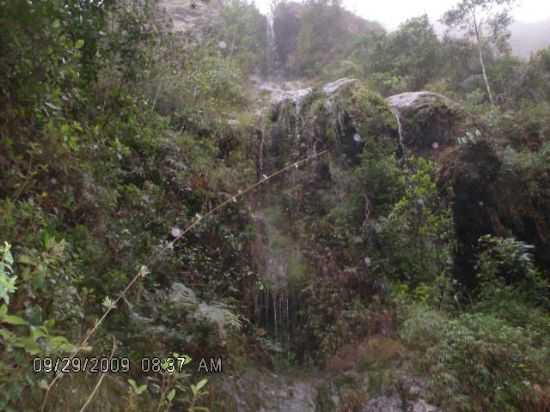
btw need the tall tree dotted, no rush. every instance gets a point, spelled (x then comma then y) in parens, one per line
(416, 49)
(244, 32)
(485, 21)
(322, 34)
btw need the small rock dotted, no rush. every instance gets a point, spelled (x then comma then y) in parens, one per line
(384, 404)
(331, 88)
(412, 387)
(181, 296)
(422, 406)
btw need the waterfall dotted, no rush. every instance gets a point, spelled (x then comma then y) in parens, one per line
(270, 46)
(399, 131)
(277, 299)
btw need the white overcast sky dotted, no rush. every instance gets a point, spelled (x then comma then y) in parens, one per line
(393, 12)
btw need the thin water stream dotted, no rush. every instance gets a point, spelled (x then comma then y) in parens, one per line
(399, 130)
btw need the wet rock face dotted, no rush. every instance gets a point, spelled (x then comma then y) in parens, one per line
(263, 391)
(341, 115)
(471, 172)
(407, 398)
(430, 121)
(526, 211)
(487, 197)
(334, 87)
(490, 199)
(396, 404)
(384, 404)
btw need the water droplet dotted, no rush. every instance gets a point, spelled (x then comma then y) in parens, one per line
(176, 232)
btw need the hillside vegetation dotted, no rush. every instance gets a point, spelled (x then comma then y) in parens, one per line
(354, 246)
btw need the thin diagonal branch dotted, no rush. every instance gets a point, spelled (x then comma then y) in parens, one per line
(99, 382)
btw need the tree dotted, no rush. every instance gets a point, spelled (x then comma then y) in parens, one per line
(406, 59)
(286, 26)
(536, 82)
(244, 33)
(415, 48)
(473, 17)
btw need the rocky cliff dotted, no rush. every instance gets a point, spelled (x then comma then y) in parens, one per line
(487, 197)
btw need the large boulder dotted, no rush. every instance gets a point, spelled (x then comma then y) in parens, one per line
(430, 122)
(488, 196)
(262, 390)
(396, 404)
(340, 115)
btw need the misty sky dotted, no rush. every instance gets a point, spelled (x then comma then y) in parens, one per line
(393, 12)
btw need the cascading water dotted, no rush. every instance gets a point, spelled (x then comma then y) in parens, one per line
(399, 131)
(270, 47)
(276, 304)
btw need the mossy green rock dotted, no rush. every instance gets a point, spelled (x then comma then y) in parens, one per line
(341, 115)
(430, 121)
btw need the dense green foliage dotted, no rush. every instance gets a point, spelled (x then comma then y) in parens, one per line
(113, 132)
(116, 135)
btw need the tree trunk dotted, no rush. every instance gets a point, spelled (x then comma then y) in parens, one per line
(485, 78)
(482, 62)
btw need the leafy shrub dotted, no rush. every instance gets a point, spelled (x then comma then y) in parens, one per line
(507, 273)
(330, 319)
(417, 234)
(482, 363)
(21, 338)
(422, 326)
(491, 358)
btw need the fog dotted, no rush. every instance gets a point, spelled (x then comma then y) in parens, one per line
(393, 12)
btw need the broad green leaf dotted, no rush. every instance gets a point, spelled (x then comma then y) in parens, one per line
(201, 384)
(140, 389)
(7, 286)
(13, 320)
(24, 259)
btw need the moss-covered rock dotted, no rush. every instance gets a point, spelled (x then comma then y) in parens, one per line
(341, 115)
(430, 122)
(489, 196)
